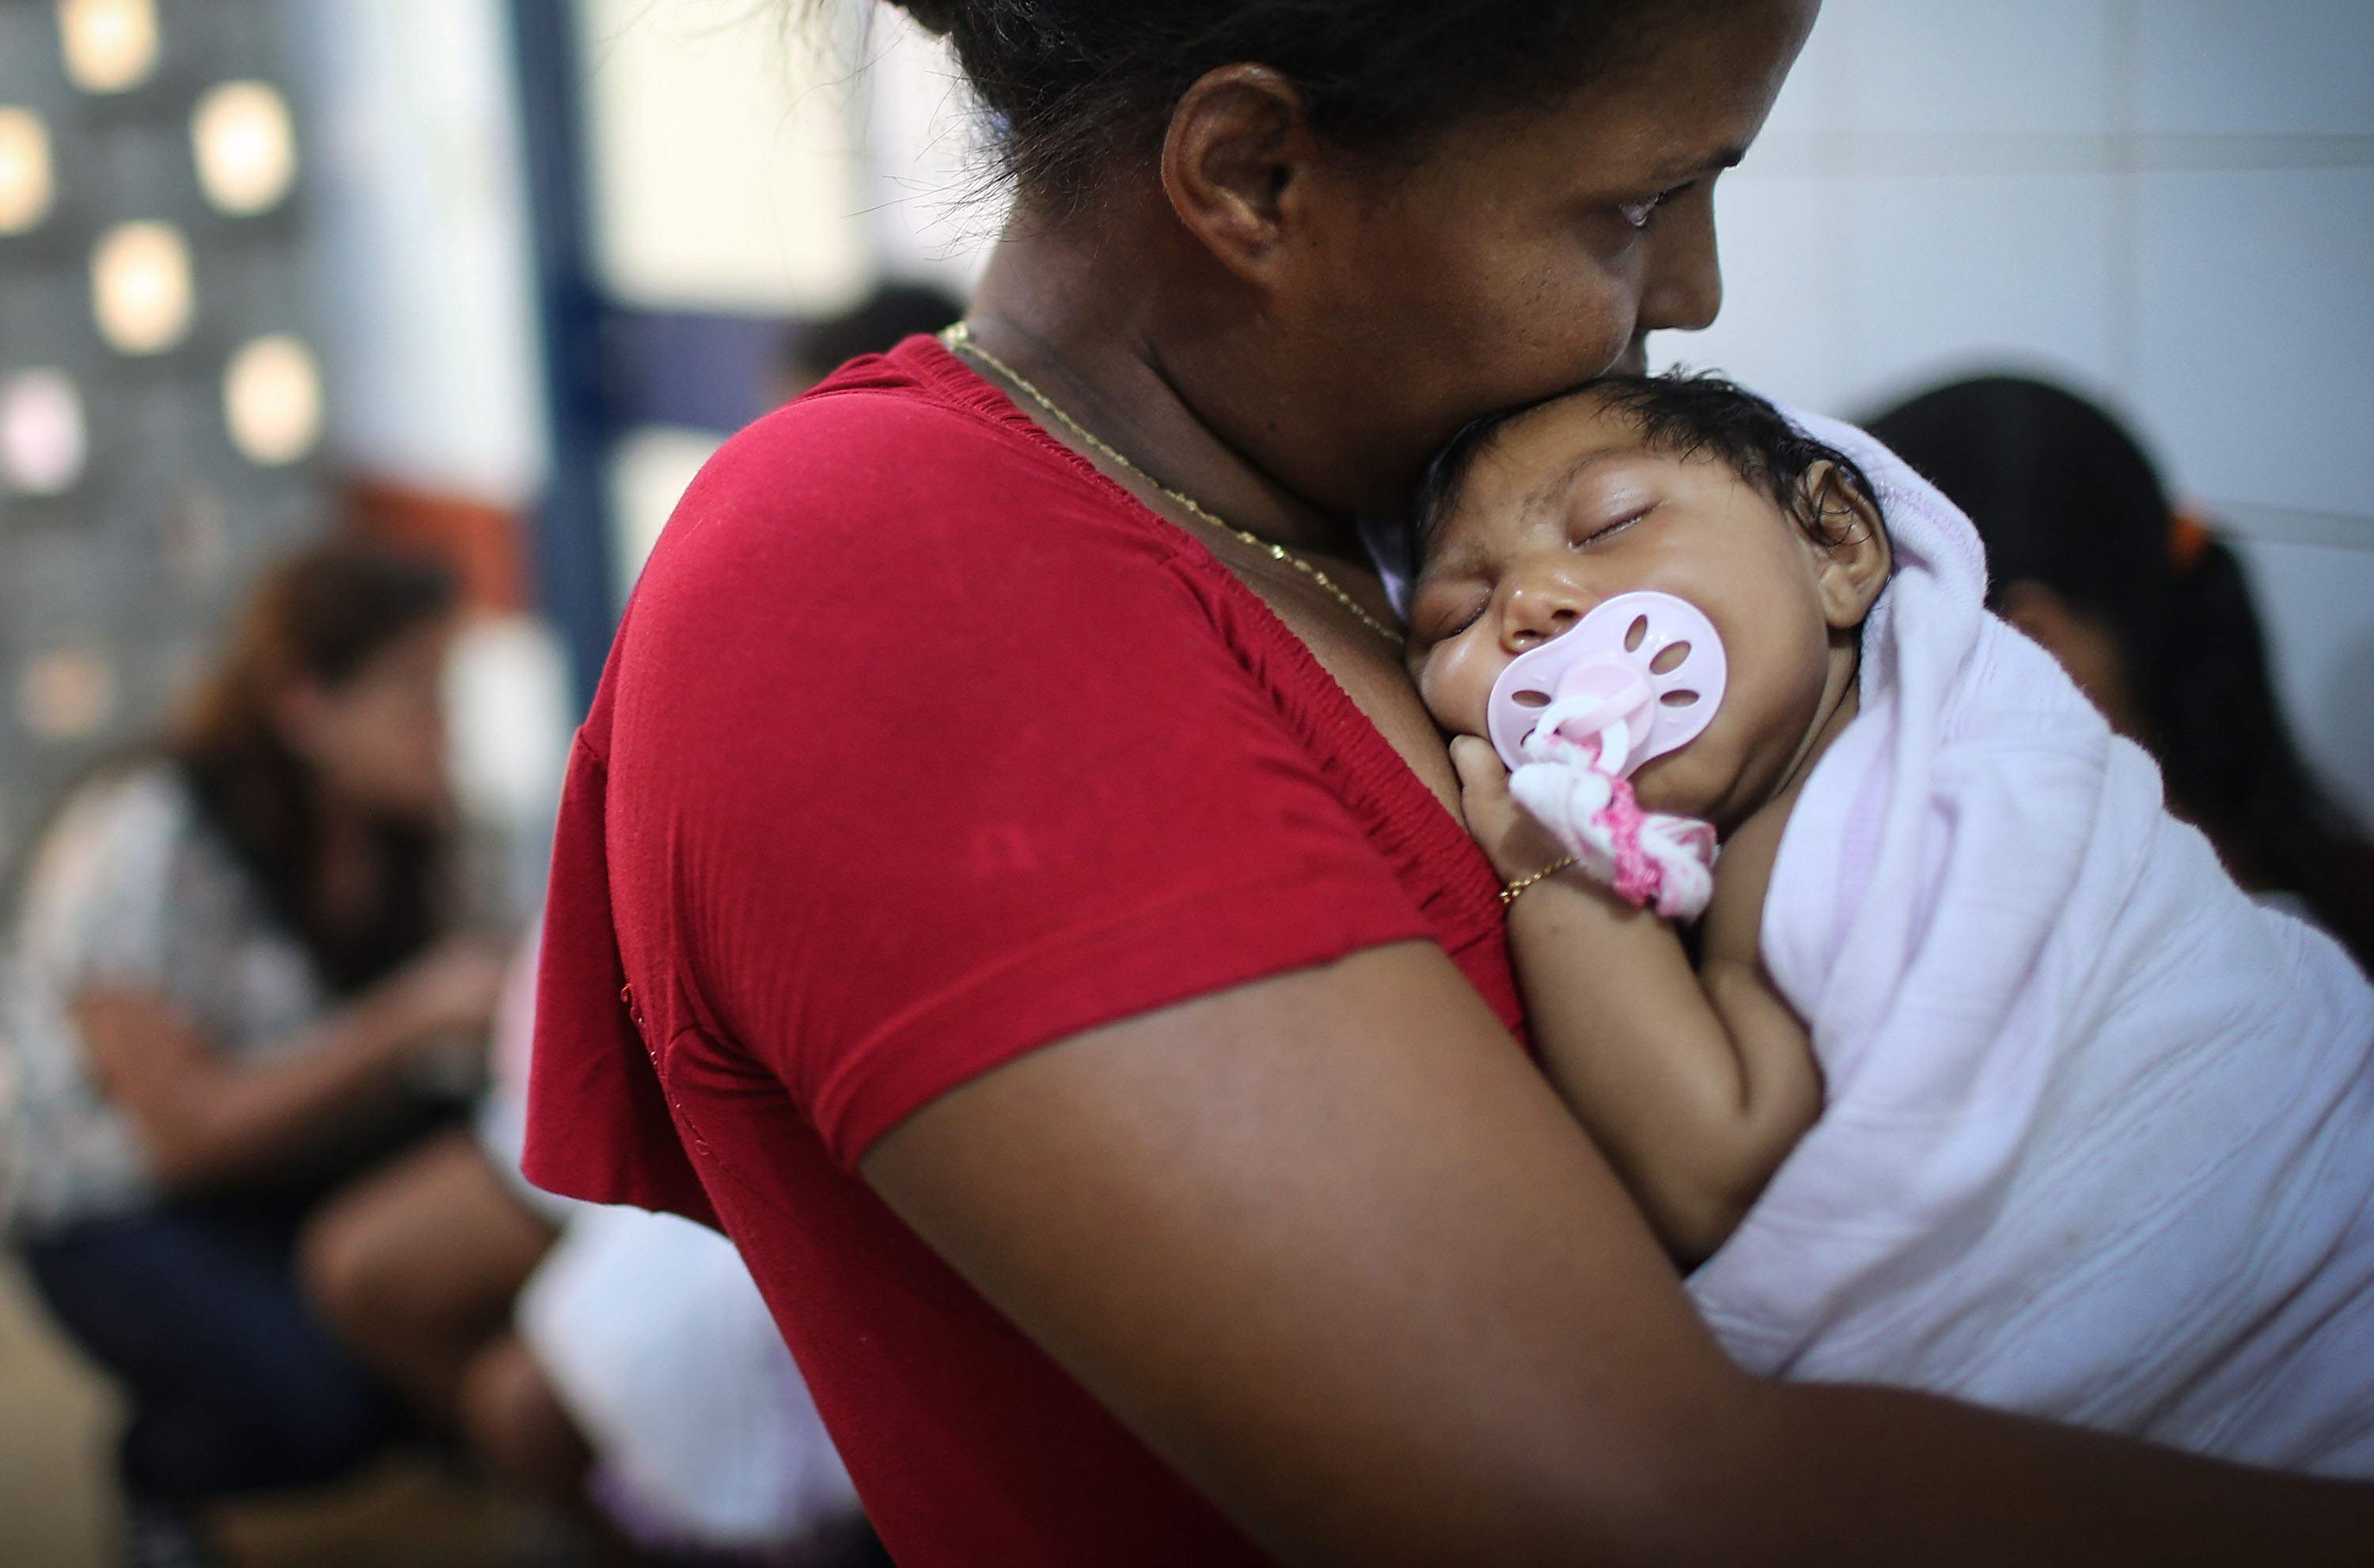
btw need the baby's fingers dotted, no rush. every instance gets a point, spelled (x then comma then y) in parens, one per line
(1514, 842)
(1481, 776)
(1483, 790)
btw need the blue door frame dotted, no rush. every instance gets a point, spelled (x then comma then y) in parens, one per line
(607, 366)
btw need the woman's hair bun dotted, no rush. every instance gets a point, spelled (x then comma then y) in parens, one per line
(933, 15)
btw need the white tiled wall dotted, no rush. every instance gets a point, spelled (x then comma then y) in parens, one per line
(2254, 330)
(418, 202)
(2166, 203)
(719, 158)
(2305, 60)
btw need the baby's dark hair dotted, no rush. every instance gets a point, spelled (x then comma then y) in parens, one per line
(1683, 414)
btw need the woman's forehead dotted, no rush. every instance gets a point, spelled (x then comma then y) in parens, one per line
(1684, 106)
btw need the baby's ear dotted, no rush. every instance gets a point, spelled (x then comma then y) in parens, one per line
(1843, 529)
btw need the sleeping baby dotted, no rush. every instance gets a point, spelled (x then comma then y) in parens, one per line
(1966, 1067)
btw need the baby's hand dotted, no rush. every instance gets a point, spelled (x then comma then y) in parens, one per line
(1516, 843)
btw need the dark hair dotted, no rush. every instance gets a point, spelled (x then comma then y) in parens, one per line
(323, 615)
(2063, 496)
(1078, 87)
(890, 313)
(1683, 414)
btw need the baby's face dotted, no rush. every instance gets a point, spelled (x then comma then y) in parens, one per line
(1568, 507)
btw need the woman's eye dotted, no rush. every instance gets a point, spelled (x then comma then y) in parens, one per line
(1637, 214)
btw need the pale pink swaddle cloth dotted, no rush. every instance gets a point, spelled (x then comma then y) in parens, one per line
(2097, 1141)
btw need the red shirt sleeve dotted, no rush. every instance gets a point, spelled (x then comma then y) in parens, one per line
(923, 748)
(598, 1124)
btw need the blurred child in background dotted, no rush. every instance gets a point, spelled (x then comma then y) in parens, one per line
(230, 968)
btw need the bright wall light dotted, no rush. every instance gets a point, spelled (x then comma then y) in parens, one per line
(43, 443)
(26, 186)
(272, 400)
(141, 291)
(110, 45)
(246, 146)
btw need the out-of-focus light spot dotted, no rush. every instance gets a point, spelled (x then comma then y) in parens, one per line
(43, 441)
(246, 146)
(272, 400)
(66, 694)
(25, 179)
(141, 291)
(110, 45)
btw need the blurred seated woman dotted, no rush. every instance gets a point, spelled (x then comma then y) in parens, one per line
(231, 984)
(2152, 616)
(617, 1364)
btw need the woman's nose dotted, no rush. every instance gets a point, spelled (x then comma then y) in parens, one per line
(1682, 290)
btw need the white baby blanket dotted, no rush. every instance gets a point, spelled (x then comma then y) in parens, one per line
(2098, 1140)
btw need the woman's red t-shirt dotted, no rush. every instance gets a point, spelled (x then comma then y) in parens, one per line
(923, 745)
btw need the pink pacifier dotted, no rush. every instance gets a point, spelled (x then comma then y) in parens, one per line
(1604, 678)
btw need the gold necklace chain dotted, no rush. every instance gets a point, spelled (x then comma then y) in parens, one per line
(958, 338)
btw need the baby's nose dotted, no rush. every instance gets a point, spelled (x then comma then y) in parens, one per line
(1540, 609)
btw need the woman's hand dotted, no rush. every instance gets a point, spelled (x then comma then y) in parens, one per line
(204, 1118)
(1516, 843)
(452, 988)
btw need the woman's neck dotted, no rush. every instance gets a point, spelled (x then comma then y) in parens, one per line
(1048, 305)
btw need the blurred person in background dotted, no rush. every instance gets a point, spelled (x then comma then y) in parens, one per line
(231, 984)
(2152, 616)
(617, 1364)
(598, 1357)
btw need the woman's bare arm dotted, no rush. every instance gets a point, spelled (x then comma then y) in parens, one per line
(1330, 1245)
(203, 1119)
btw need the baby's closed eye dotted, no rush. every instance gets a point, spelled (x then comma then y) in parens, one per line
(1592, 526)
(1441, 612)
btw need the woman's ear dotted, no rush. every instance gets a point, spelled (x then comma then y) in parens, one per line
(1237, 164)
(1843, 528)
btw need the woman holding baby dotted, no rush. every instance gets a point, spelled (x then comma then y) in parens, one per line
(1009, 881)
